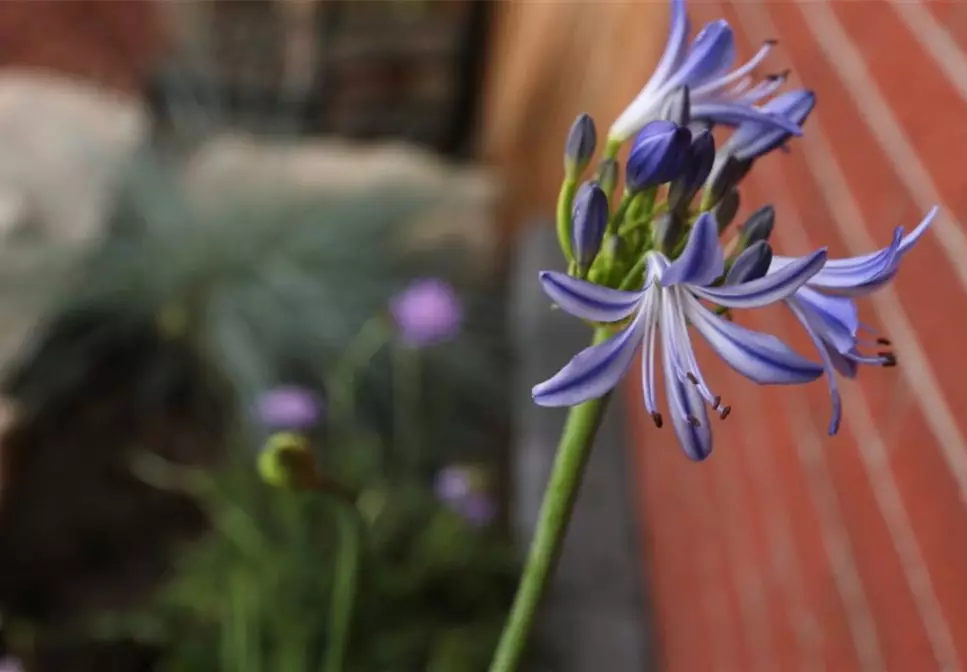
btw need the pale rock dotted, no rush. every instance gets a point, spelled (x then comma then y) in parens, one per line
(233, 163)
(63, 143)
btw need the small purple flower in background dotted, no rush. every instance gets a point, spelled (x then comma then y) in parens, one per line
(458, 487)
(427, 312)
(10, 665)
(290, 408)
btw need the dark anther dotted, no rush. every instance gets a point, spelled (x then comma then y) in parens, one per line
(889, 358)
(656, 416)
(724, 413)
(716, 402)
(771, 42)
(693, 421)
(691, 378)
(884, 341)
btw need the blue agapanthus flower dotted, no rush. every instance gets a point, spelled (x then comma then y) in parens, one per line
(667, 272)
(826, 309)
(719, 92)
(670, 299)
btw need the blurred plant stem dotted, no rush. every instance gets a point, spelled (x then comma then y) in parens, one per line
(406, 404)
(343, 587)
(341, 387)
(552, 523)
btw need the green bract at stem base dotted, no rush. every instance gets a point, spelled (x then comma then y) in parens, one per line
(577, 439)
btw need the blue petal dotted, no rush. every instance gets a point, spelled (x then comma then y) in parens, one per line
(593, 372)
(645, 105)
(734, 114)
(862, 274)
(589, 301)
(764, 291)
(762, 358)
(685, 402)
(671, 58)
(737, 74)
(702, 261)
(754, 139)
(650, 311)
(852, 275)
(837, 319)
(712, 53)
(794, 105)
(828, 365)
(843, 364)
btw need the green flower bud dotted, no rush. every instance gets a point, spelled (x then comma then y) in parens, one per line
(725, 210)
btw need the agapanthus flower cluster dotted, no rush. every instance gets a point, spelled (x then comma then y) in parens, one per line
(648, 264)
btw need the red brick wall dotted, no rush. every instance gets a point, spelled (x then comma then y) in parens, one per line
(789, 549)
(111, 42)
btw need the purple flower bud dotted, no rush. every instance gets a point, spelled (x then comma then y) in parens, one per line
(758, 226)
(698, 165)
(657, 156)
(10, 664)
(752, 264)
(581, 141)
(427, 312)
(453, 483)
(589, 219)
(289, 407)
(726, 209)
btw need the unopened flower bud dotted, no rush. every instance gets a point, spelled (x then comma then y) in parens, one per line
(726, 174)
(758, 226)
(589, 220)
(725, 210)
(678, 107)
(698, 165)
(751, 264)
(607, 175)
(669, 231)
(581, 142)
(657, 156)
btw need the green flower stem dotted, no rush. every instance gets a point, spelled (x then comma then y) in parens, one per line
(564, 202)
(343, 587)
(619, 213)
(611, 148)
(572, 454)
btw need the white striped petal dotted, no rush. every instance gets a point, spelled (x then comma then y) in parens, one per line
(587, 300)
(766, 290)
(702, 261)
(686, 406)
(594, 371)
(762, 358)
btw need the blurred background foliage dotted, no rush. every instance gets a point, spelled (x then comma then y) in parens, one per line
(211, 308)
(137, 534)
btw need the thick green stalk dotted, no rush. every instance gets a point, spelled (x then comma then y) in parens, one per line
(343, 588)
(572, 455)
